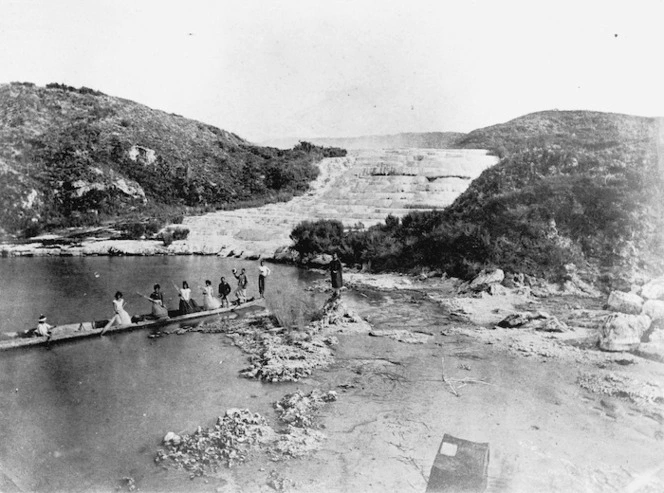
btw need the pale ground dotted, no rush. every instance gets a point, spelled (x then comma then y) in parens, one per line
(517, 390)
(363, 187)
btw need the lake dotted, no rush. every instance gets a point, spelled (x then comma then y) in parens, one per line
(79, 416)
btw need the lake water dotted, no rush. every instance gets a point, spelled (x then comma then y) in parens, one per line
(81, 415)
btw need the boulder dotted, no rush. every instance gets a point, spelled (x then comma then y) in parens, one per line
(654, 290)
(657, 335)
(622, 332)
(651, 350)
(540, 321)
(654, 309)
(172, 438)
(485, 279)
(622, 302)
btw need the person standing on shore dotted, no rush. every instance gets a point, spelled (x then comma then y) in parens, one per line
(241, 291)
(224, 291)
(263, 272)
(336, 274)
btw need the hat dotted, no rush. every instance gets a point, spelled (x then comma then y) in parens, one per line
(42, 318)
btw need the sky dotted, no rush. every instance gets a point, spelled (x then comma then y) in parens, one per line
(268, 69)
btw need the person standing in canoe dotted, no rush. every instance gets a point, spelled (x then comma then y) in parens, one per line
(336, 274)
(224, 291)
(187, 305)
(241, 291)
(121, 317)
(157, 298)
(263, 272)
(209, 301)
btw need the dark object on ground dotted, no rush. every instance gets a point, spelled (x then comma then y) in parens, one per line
(460, 466)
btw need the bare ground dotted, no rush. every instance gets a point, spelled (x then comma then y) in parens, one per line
(558, 414)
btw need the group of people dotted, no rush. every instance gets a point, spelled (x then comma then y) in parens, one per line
(187, 304)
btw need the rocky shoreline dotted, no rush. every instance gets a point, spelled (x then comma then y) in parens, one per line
(531, 350)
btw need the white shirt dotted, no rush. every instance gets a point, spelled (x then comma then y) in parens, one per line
(264, 270)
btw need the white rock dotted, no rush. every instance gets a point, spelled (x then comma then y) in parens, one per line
(620, 301)
(485, 279)
(622, 332)
(173, 438)
(657, 335)
(654, 290)
(654, 309)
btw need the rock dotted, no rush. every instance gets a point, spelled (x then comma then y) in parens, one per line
(143, 155)
(654, 309)
(654, 290)
(657, 335)
(623, 332)
(540, 321)
(651, 350)
(172, 438)
(620, 301)
(485, 279)
(322, 260)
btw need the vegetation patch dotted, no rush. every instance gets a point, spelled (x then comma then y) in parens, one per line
(77, 157)
(571, 187)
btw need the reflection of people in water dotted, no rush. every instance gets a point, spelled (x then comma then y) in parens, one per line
(336, 274)
(209, 301)
(121, 317)
(157, 299)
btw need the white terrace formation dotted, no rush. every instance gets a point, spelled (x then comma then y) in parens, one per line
(363, 187)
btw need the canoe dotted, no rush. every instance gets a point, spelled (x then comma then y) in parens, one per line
(68, 332)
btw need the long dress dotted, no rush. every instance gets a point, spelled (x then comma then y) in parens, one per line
(185, 302)
(336, 275)
(209, 301)
(121, 316)
(158, 308)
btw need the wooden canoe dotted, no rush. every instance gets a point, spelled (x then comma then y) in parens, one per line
(68, 332)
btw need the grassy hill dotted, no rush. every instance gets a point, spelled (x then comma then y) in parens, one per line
(571, 187)
(77, 156)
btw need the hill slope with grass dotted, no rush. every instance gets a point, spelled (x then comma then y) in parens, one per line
(73, 157)
(571, 187)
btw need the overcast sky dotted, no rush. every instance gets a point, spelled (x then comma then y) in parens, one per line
(267, 69)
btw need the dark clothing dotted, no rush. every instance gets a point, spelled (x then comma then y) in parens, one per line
(261, 285)
(157, 296)
(158, 309)
(335, 272)
(186, 307)
(241, 281)
(224, 289)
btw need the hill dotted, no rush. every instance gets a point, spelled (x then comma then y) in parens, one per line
(571, 187)
(77, 156)
(421, 140)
